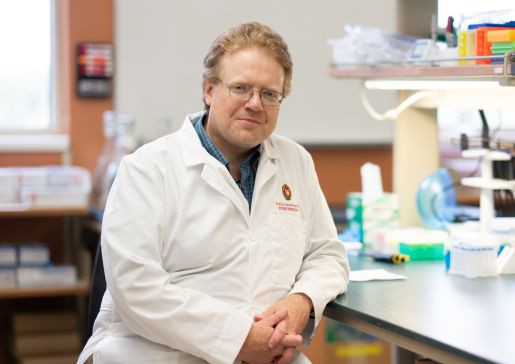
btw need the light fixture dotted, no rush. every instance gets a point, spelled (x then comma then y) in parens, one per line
(430, 85)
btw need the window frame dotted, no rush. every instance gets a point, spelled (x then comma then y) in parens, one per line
(54, 138)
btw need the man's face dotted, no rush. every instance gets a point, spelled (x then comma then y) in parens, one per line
(236, 126)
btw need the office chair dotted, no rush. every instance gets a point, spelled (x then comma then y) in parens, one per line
(97, 289)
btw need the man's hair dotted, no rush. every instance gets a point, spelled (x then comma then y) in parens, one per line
(248, 35)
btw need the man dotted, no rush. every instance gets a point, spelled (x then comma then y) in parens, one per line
(218, 244)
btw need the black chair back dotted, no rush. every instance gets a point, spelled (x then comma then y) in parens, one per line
(97, 290)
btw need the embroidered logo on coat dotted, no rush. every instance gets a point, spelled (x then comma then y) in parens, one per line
(286, 192)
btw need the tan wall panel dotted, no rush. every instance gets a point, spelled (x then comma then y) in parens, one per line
(338, 169)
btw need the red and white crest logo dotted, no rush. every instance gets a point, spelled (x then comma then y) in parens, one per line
(286, 192)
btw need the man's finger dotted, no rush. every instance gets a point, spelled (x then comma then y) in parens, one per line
(259, 317)
(292, 340)
(274, 318)
(287, 356)
(262, 315)
(277, 335)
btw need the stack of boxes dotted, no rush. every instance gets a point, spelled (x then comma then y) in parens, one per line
(45, 338)
(28, 265)
(44, 187)
(8, 263)
(502, 41)
(486, 40)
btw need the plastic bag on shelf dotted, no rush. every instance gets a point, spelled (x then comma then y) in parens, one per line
(504, 16)
(363, 44)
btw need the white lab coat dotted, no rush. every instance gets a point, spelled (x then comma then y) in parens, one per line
(187, 265)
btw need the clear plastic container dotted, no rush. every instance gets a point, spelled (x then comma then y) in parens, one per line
(436, 200)
(473, 254)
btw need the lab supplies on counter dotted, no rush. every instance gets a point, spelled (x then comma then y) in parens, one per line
(473, 255)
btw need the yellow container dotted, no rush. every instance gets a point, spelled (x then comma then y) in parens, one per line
(505, 35)
(462, 46)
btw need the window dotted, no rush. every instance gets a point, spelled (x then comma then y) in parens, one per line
(27, 85)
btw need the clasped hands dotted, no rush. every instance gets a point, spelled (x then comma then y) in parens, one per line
(275, 333)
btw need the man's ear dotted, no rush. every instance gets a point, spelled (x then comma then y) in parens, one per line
(208, 92)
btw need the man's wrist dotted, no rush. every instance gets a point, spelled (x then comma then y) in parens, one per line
(305, 298)
(309, 303)
(305, 301)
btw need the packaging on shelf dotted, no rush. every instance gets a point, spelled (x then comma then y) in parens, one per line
(49, 186)
(35, 322)
(45, 337)
(9, 188)
(8, 253)
(466, 45)
(504, 35)
(49, 359)
(58, 275)
(33, 254)
(32, 344)
(483, 43)
(7, 278)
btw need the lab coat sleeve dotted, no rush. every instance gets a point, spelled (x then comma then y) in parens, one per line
(132, 239)
(324, 272)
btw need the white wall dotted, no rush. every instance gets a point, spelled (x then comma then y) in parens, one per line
(160, 45)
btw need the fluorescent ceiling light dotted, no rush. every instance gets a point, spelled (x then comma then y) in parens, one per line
(429, 85)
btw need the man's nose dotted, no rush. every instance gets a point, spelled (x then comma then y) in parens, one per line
(254, 102)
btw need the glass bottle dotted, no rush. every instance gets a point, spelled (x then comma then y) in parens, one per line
(119, 141)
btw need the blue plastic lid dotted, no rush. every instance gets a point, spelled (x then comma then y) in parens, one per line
(510, 24)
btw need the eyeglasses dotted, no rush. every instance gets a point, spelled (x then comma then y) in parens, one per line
(244, 92)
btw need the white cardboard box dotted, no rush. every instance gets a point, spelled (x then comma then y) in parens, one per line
(58, 275)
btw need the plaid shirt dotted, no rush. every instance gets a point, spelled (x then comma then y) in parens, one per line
(248, 167)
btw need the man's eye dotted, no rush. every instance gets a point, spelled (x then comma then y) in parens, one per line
(239, 88)
(272, 95)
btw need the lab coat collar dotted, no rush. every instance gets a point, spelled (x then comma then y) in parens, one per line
(193, 151)
(195, 154)
(269, 149)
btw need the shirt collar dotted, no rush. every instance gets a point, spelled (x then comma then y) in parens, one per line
(206, 141)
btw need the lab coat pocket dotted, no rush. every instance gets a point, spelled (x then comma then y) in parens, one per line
(289, 238)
